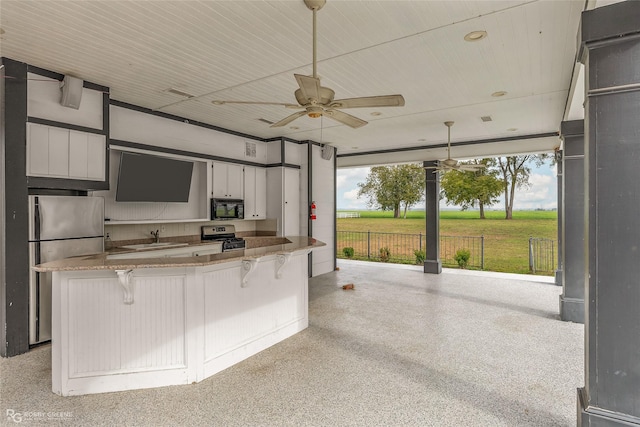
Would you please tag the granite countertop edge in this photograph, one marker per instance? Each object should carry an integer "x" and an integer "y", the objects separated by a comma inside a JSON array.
[{"x": 101, "y": 262}]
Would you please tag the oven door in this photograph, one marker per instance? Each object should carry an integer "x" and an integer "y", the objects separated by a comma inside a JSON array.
[{"x": 227, "y": 209}]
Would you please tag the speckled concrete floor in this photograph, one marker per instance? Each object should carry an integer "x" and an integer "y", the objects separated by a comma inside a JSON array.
[{"x": 403, "y": 348}]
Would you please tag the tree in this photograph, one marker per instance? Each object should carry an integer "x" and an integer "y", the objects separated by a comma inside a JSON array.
[
  {"x": 467, "y": 188},
  {"x": 515, "y": 174},
  {"x": 391, "y": 187}
]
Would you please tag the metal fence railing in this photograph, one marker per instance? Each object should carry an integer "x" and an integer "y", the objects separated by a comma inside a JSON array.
[
  {"x": 542, "y": 258},
  {"x": 401, "y": 248},
  {"x": 450, "y": 245}
]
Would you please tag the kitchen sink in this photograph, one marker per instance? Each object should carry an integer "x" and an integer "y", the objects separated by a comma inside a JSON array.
[{"x": 154, "y": 245}]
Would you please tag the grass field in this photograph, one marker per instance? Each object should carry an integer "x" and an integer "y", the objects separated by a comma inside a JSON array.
[{"x": 506, "y": 242}]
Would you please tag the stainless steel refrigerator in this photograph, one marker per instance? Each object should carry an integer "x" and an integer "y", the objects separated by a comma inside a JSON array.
[{"x": 59, "y": 227}]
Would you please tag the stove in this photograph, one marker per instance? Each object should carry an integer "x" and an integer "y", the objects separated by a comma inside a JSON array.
[{"x": 225, "y": 234}]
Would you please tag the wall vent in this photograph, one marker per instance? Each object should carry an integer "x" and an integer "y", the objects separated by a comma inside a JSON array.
[
  {"x": 250, "y": 149},
  {"x": 486, "y": 118}
]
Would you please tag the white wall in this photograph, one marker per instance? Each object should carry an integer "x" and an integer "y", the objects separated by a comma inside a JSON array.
[
  {"x": 323, "y": 193},
  {"x": 134, "y": 126},
  {"x": 43, "y": 101}
]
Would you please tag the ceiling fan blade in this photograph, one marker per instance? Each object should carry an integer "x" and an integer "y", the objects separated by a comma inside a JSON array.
[
  {"x": 309, "y": 86},
  {"x": 345, "y": 118},
  {"x": 471, "y": 167},
  {"x": 288, "y": 119},
  {"x": 369, "y": 101},
  {"x": 284, "y": 104}
]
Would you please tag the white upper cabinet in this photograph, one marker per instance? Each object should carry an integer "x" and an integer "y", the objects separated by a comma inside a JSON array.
[
  {"x": 255, "y": 193},
  {"x": 227, "y": 181},
  {"x": 62, "y": 153}
]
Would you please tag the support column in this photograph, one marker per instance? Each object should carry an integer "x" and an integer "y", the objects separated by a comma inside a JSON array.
[
  {"x": 610, "y": 50},
  {"x": 432, "y": 263},
  {"x": 14, "y": 219},
  {"x": 560, "y": 209},
  {"x": 572, "y": 298}
]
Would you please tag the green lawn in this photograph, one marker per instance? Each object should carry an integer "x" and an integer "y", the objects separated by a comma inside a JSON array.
[{"x": 506, "y": 242}]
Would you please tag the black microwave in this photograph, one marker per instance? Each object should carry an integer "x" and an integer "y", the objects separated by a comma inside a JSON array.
[{"x": 227, "y": 209}]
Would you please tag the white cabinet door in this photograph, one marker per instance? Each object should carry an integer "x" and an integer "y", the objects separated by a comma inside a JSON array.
[
  {"x": 227, "y": 181},
  {"x": 37, "y": 150},
  {"x": 96, "y": 157},
  {"x": 260, "y": 193},
  {"x": 235, "y": 186},
  {"x": 291, "y": 223},
  {"x": 249, "y": 192},
  {"x": 58, "y": 152},
  {"x": 78, "y": 155},
  {"x": 219, "y": 183},
  {"x": 283, "y": 202},
  {"x": 255, "y": 193}
]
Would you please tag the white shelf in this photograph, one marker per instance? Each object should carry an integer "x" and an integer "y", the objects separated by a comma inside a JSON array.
[{"x": 154, "y": 221}]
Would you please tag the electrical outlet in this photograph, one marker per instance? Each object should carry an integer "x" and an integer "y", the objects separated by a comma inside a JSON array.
[{"x": 163, "y": 228}]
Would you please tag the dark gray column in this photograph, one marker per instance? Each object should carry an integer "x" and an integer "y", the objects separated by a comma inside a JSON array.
[
  {"x": 560, "y": 186},
  {"x": 610, "y": 50},
  {"x": 14, "y": 220},
  {"x": 432, "y": 262},
  {"x": 572, "y": 298}
]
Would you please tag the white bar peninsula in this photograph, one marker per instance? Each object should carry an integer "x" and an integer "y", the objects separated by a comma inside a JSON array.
[{"x": 123, "y": 324}]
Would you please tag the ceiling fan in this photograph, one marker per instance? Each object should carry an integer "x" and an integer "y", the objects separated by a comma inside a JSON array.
[
  {"x": 316, "y": 100},
  {"x": 453, "y": 164}
]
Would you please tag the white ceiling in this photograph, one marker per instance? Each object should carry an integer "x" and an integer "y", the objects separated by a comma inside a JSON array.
[{"x": 249, "y": 50}]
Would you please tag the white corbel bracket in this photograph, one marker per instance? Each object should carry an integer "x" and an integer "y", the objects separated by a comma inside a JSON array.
[
  {"x": 282, "y": 260},
  {"x": 125, "y": 277},
  {"x": 248, "y": 265}
]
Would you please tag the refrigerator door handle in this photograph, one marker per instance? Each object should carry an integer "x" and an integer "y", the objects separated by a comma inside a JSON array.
[{"x": 36, "y": 223}]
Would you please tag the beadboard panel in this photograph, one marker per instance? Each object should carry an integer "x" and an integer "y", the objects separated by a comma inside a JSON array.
[
  {"x": 184, "y": 325},
  {"x": 116, "y": 337},
  {"x": 236, "y": 315}
]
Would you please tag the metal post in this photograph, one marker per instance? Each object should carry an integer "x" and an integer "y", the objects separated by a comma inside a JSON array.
[
  {"x": 531, "y": 266},
  {"x": 369, "y": 244},
  {"x": 420, "y": 247},
  {"x": 482, "y": 252}
]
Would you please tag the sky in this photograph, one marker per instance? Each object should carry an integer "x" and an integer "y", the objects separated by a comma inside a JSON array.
[{"x": 542, "y": 194}]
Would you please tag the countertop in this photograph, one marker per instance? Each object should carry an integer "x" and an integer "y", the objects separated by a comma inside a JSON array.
[{"x": 257, "y": 247}]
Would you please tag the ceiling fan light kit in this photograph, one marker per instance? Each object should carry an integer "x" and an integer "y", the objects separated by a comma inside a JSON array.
[{"x": 316, "y": 100}]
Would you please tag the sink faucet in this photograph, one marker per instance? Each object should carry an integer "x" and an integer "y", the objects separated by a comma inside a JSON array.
[{"x": 156, "y": 234}]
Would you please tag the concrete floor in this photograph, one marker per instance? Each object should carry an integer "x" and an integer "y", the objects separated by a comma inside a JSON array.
[{"x": 404, "y": 348}]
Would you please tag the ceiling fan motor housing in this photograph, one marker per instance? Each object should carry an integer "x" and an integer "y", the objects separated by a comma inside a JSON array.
[{"x": 326, "y": 96}]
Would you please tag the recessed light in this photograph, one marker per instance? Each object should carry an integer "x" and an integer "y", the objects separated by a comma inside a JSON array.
[
  {"x": 474, "y": 36},
  {"x": 294, "y": 128},
  {"x": 422, "y": 140},
  {"x": 499, "y": 94},
  {"x": 512, "y": 129},
  {"x": 217, "y": 102},
  {"x": 376, "y": 113},
  {"x": 354, "y": 148}
]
